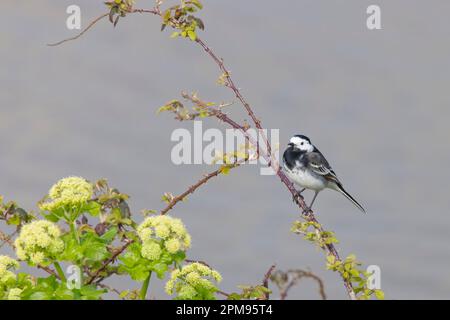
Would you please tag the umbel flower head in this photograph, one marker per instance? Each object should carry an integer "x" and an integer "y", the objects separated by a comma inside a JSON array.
[
  {"x": 39, "y": 242},
  {"x": 7, "y": 276},
  {"x": 14, "y": 294},
  {"x": 68, "y": 192},
  {"x": 193, "y": 281},
  {"x": 159, "y": 233}
]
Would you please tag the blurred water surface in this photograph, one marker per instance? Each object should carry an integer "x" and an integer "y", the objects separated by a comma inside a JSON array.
[{"x": 375, "y": 103}]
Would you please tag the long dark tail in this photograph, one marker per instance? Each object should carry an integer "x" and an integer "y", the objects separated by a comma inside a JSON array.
[{"x": 341, "y": 189}]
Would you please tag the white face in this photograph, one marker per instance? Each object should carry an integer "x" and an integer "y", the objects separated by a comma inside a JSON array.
[{"x": 301, "y": 144}]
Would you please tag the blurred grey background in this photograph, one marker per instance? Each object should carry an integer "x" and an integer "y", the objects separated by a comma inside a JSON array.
[{"x": 375, "y": 103}]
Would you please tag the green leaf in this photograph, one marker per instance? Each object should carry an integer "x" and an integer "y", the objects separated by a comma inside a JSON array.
[
  {"x": 93, "y": 208},
  {"x": 72, "y": 251},
  {"x": 225, "y": 170},
  {"x": 63, "y": 293},
  {"x": 14, "y": 220},
  {"x": 166, "y": 16},
  {"x": 90, "y": 292},
  {"x": 109, "y": 235},
  {"x": 234, "y": 296},
  {"x": 192, "y": 35},
  {"x": 96, "y": 252},
  {"x": 179, "y": 257},
  {"x": 331, "y": 259},
  {"x": 197, "y": 4},
  {"x": 379, "y": 294},
  {"x": 354, "y": 272},
  {"x": 160, "y": 269},
  {"x": 51, "y": 217},
  {"x": 41, "y": 295},
  {"x": 132, "y": 256},
  {"x": 139, "y": 272}
]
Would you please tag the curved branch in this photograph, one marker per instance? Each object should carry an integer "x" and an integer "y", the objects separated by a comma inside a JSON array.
[
  {"x": 81, "y": 33},
  {"x": 95, "y": 21},
  {"x": 291, "y": 278}
]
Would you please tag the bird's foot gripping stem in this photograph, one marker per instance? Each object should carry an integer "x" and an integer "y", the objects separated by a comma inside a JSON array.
[{"x": 307, "y": 211}]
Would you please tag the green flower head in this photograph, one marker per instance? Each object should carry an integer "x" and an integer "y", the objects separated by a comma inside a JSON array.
[
  {"x": 193, "y": 281},
  {"x": 39, "y": 242},
  {"x": 151, "y": 250},
  {"x": 7, "y": 266},
  {"x": 162, "y": 232},
  {"x": 68, "y": 192}
]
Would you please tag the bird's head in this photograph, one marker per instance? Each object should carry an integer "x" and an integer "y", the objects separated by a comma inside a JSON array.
[{"x": 301, "y": 142}]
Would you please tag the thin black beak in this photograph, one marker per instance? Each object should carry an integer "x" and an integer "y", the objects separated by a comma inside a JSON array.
[{"x": 290, "y": 144}]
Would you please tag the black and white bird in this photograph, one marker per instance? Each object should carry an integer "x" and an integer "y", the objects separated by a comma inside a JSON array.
[{"x": 306, "y": 166}]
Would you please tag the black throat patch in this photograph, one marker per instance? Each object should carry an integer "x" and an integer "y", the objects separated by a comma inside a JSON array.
[{"x": 291, "y": 156}]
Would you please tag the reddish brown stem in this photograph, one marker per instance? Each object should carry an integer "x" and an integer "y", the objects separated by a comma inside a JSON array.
[
  {"x": 266, "y": 280},
  {"x": 192, "y": 189},
  {"x": 109, "y": 261}
]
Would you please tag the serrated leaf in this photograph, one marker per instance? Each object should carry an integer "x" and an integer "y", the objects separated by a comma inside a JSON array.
[
  {"x": 160, "y": 269},
  {"x": 109, "y": 235},
  {"x": 93, "y": 208},
  {"x": 96, "y": 251},
  {"x": 90, "y": 292}
]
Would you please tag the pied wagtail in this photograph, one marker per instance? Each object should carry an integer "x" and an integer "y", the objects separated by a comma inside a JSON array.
[{"x": 306, "y": 166}]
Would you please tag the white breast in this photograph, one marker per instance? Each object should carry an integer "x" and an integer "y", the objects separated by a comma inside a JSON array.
[{"x": 306, "y": 179}]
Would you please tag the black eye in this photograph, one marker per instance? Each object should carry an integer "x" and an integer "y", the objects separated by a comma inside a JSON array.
[{"x": 302, "y": 143}]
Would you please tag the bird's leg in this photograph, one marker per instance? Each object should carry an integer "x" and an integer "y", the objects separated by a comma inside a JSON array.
[
  {"x": 309, "y": 209},
  {"x": 296, "y": 198}
]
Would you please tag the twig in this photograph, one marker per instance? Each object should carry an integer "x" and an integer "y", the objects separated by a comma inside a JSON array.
[
  {"x": 319, "y": 281},
  {"x": 6, "y": 239},
  {"x": 101, "y": 285},
  {"x": 286, "y": 280},
  {"x": 49, "y": 271},
  {"x": 96, "y": 20},
  {"x": 192, "y": 189},
  {"x": 110, "y": 260},
  {"x": 81, "y": 33},
  {"x": 237, "y": 92},
  {"x": 198, "y": 261},
  {"x": 223, "y": 293},
  {"x": 266, "y": 280}
]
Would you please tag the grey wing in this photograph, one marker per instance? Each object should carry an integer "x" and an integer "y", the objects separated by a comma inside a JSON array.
[{"x": 318, "y": 164}]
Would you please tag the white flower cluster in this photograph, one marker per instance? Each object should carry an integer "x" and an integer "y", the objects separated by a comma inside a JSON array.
[
  {"x": 191, "y": 279},
  {"x": 68, "y": 192},
  {"x": 162, "y": 232},
  {"x": 39, "y": 242}
]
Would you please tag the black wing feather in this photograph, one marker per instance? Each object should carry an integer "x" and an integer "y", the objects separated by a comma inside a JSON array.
[{"x": 320, "y": 165}]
